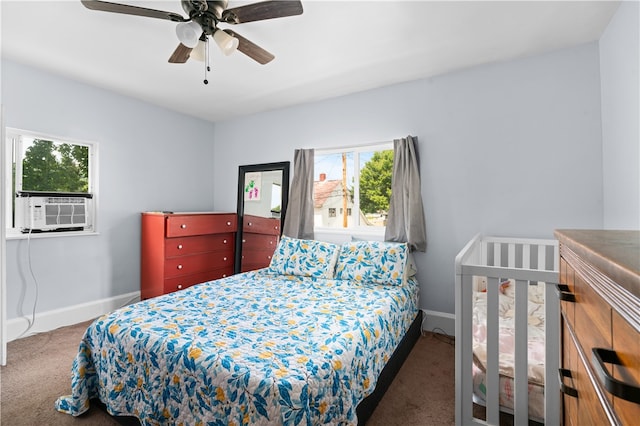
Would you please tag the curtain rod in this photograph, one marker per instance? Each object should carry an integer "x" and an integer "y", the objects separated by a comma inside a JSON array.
[{"x": 363, "y": 145}]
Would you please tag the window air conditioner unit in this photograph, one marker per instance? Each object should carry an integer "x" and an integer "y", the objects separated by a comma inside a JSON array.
[{"x": 53, "y": 211}]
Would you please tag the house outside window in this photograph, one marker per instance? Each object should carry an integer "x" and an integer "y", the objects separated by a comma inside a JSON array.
[
  {"x": 50, "y": 184},
  {"x": 353, "y": 180}
]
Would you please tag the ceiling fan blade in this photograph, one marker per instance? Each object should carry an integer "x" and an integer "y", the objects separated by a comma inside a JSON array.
[
  {"x": 264, "y": 10},
  {"x": 106, "y": 6},
  {"x": 180, "y": 55},
  {"x": 251, "y": 49}
]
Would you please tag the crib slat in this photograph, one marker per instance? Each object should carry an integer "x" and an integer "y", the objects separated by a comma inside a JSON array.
[
  {"x": 542, "y": 257},
  {"x": 511, "y": 257},
  {"x": 521, "y": 361},
  {"x": 497, "y": 254},
  {"x": 551, "y": 355},
  {"x": 526, "y": 256},
  {"x": 493, "y": 357}
]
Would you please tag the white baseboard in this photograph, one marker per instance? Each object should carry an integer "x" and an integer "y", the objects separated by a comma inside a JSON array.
[
  {"x": 438, "y": 322},
  {"x": 50, "y": 320}
]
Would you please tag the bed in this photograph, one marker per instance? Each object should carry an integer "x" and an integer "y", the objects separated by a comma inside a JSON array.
[
  {"x": 304, "y": 341},
  {"x": 505, "y": 294}
]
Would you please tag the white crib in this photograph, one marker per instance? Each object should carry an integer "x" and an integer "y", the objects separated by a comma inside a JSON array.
[{"x": 522, "y": 261}]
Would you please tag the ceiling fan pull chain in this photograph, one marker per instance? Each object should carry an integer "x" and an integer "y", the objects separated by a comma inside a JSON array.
[{"x": 206, "y": 60}]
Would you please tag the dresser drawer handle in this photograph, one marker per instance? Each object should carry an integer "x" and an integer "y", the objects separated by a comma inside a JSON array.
[
  {"x": 179, "y": 266},
  {"x": 224, "y": 258},
  {"x": 179, "y": 286},
  {"x": 224, "y": 241},
  {"x": 614, "y": 386},
  {"x": 564, "y": 294},
  {"x": 228, "y": 223},
  {"x": 249, "y": 224},
  {"x": 183, "y": 226},
  {"x": 562, "y": 373},
  {"x": 179, "y": 246}
]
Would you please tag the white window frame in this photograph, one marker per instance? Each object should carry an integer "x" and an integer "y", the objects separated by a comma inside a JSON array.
[
  {"x": 13, "y": 153},
  {"x": 361, "y": 231}
]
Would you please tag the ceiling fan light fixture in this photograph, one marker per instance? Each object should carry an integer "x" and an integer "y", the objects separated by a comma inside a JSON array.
[
  {"x": 198, "y": 52},
  {"x": 188, "y": 33},
  {"x": 226, "y": 42}
]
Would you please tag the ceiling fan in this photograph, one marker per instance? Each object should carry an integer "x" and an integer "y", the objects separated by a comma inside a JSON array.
[{"x": 203, "y": 20}]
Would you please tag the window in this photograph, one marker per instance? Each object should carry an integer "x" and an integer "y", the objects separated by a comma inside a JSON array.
[
  {"x": 353, "y": 180},
  {"x": 50, "y": 179}
]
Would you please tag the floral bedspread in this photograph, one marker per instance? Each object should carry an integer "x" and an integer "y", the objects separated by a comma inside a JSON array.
[{"x": 252, "y": 348}]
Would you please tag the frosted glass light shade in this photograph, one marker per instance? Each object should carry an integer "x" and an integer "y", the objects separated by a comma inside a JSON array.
[
  {"x": 188, "y": 33},
  {"x": 227, "y": 43},
  {"x": 198, "y": 53}
]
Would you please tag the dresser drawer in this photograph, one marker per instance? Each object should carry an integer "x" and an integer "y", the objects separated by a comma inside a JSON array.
[
  {"x": 182, "y": 246},
  {"x": 590, "y": 410},
  {"x": 261, "y": 225},
  {"x": 180, "y": 283},
  {"x": 592, "y": 318},
  {"x": 255, "y": 259},
  {"x": 567, "y": 304},
  {"x": 259, "y": 242},
  {"x": 186, "y": 265},
  {"x": 200, "y": 224},
  {"x": 626, "y": 345},
  {"x": 569, "y": 379}
]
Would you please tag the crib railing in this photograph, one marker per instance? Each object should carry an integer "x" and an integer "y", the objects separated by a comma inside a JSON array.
[{"x": 522, "y": 260}]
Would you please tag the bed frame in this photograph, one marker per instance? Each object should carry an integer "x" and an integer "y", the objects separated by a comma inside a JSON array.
[
  {"x": 368, "y": 405},
  {"x": 522, "y": 260}
]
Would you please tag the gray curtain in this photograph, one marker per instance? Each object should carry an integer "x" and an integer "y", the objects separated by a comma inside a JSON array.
[
  {"x": 405, "y": 222},
  {"x": 298, "y": 222}
]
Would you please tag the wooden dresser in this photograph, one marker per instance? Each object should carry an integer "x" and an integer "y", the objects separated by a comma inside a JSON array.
[
  {"x": 600, "y": 304},
  {"x": 260, "y": 237},
  {"x": 183, "y": 249}
]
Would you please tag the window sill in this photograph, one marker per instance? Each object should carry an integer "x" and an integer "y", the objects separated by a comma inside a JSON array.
[
  {"x": 13, "y": 234},
  {"x": 341, "y": 235}
]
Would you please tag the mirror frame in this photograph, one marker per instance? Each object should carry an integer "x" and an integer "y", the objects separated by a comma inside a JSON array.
[{"x": 283, "y": 166}]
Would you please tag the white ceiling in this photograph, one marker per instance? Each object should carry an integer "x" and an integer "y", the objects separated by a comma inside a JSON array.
[{"x": 332, "y": 49}]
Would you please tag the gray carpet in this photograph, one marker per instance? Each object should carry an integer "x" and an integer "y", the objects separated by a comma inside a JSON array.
[{"x": 38, "y": 371}]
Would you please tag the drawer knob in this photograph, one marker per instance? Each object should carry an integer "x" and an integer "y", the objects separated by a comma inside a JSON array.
[
  {"x": 183, "y": 226},
  {"x": 179, "y": 266},
  {"x": 250, "y": 224},
  {"x": 268, "y": 257},
  {"x": 179, "y": 246},
  {"x": 224, "y": 258},
  {"x": 276, "y": 227},
  {"x": 224, "y": 241},
  {"x": 228, "y": 223},
  {"x": 611, "y": 384},
  {"x": 179, "y": 286},
  {"x": 224, "y": 275},
  {"x": 244, "y": 241},
  {"x": 562, "y": 373}
]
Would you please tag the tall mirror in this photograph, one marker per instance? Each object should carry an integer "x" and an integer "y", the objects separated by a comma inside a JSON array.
[{"x": 263, "y": 192}]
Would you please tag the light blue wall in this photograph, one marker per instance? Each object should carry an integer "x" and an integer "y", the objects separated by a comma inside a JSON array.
[
  {"x": 149, "y": 159},
  {"x": 619, "y": 63},
  {"x": 510, "y": 149}
]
